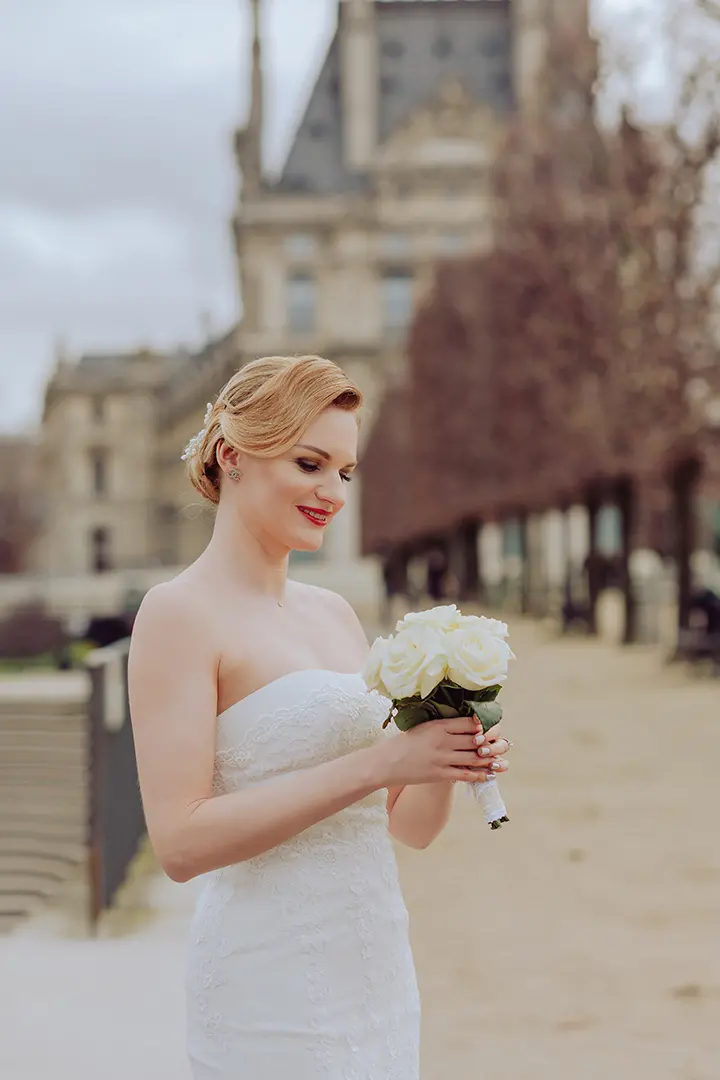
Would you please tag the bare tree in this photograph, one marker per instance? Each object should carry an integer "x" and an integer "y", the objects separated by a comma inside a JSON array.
[{"x": 611, "y": 232}]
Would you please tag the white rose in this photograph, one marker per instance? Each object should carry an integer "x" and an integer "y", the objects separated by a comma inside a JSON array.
[
  {"x": 373, "y": 666},
  {"x": 443, "y": 618},
  {"x": 493, "y": 626},
  {"x": 477, "y": 658},
  {"x": 414, "y": 662}
]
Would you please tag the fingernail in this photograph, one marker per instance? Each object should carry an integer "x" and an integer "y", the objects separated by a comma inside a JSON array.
[
  {"x": 498, "y": 765},
  {"x": 486, "y": 751},
  {"x": 479, "y": 738}
]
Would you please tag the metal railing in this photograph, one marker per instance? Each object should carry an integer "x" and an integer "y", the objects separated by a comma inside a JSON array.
[{"x": 116, "y": 822}]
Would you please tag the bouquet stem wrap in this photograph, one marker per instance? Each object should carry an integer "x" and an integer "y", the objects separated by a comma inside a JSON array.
[{"x": 449, "y": 700}]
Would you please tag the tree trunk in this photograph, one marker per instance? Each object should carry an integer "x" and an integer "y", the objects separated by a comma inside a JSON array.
[
  {"x": 684, "y": 486},
  {"x": 526, "y": 570},
  {"x": 592, "y": 504},
  {"x": 626, "y": 501},
  {"x": 468, "y": 563}
]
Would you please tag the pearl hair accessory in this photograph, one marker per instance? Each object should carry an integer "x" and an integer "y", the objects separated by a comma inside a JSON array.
[{"x": 194, "y": 445}]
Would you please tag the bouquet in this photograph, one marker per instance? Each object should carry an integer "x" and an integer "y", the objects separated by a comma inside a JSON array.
[{"x": 441, "y": 663}]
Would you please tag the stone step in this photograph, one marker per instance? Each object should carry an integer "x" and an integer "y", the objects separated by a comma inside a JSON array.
[
  {"x": 25, "y": 892},
  {"x": 42, "y": 774},
  {"x": 58, "y": 846},
  {"x": 30, "y": 806},
  {"x": 71, "y": 741},
  {"x": 10, "y": 919},
  {"x": 20, "y": 757},
  {"x": 44, "y": 758},
  {"x": 41, "y": 867},
  {"x": 43, "y": 787},
  {"x": 11, "y": 723}
]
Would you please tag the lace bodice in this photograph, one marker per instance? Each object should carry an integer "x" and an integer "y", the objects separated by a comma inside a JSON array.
[
  {"x": 301, "y": 719},
  {"x": 306, "y": 943}
]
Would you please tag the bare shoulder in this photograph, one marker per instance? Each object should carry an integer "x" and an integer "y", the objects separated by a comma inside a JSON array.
[{"x": 173, "y": 612}]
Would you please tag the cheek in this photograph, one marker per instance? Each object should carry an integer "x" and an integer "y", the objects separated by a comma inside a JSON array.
[{"x": 291, "y": 485}]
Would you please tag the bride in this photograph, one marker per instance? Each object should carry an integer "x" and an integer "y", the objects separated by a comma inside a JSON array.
[{"x": 262, "y": 761}]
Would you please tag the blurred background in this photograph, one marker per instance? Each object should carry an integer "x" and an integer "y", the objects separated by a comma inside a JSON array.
[{"x": 502, "y": 218}]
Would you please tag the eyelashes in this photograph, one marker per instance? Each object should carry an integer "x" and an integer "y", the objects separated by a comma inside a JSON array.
[{"x": 312, "y": 466}]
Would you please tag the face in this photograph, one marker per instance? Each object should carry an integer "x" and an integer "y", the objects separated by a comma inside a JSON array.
[{"x": 288, "y": 502}]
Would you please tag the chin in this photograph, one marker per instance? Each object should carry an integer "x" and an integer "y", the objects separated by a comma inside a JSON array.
[{"x": 307, "y": 543}]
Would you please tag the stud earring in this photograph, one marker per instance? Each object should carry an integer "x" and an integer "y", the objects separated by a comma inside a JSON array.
[{"x": 234, "y": 474}]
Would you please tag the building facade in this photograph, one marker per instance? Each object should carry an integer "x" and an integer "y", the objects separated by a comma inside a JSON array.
[
  {"x": 387, "y": 174},
  {"x": 99, "y": 465}
]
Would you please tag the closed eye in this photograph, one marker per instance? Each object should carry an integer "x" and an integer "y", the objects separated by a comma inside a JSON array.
[{"x": 314, "y": 466}]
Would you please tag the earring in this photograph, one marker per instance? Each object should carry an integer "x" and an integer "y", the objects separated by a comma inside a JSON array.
[{"x": 234, "y": 474}]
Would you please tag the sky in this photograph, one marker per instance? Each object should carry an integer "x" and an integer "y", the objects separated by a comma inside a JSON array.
[{"x": 117, "y": 180}]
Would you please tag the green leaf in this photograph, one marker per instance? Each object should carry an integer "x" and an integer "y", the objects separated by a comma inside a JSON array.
[
  {"x": 489, "y": 713},
  {"x": 446, "y": 711},
  {"x": 409, "y": 716},
  {"x": 489, "y": 693}
]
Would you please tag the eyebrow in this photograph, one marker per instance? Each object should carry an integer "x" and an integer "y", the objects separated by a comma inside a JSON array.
[{"x": 323, "y": 453}]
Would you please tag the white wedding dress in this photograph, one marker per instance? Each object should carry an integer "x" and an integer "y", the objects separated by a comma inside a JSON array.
[{"x": 300, "y": 964}]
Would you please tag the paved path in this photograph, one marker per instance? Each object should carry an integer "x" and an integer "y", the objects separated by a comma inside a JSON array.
[{"x": 579, "y": 943}]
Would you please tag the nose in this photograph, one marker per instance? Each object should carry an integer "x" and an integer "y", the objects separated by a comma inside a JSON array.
[{"x": 331, "y": 493}]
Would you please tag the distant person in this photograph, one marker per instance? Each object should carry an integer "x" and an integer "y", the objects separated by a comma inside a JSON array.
[
  {"x": 707, "y": 603},
  {"x": 436, "y": 575},
  {"x": 262, "y": 762}
]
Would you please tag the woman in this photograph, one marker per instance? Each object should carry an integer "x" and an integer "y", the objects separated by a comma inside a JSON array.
[{"x": 262, "y": 760}]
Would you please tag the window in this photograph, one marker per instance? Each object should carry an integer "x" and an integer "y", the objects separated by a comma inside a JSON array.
[
  {"x": 300, "y": 246},
  {"x": 98, "y": 467},
  {"x": 495, "y": 44},
  {"x": 394, "y": 243},
  {"x": 98, "y": 409},
  {"x": 393, "y": 49},
  {"x": 442, "y": 47},
  {"x": 100, "y": 550},
  {"x": 389, "y": 84},
  {"x": 451, "y": 243},
  {"x": 296, "y": 182},
  {"x": 397, "y": 295},
  {"x": 301, "y": 303}
]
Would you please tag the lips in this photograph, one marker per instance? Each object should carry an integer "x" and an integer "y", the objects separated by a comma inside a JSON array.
[{"x": 315, "y": 516}]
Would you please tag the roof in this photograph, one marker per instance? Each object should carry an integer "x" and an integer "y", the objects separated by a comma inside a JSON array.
[{"x": 421, "y": 44}]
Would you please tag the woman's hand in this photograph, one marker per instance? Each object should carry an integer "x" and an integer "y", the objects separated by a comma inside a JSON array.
[
  {"x": 439, "y": 750},
  {"x": 491, "y": 749}
]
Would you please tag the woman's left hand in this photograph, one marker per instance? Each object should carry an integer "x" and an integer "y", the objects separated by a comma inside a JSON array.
[{"x": 492, "y": 748}]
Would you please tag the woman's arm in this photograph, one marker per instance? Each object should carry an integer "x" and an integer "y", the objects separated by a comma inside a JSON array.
[
  {"x": 173, "y": 687},
  {"x": 418, "y": 814}
]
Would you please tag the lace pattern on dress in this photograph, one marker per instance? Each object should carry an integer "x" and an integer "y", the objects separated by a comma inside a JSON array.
[{"x": 332, "y": 892}]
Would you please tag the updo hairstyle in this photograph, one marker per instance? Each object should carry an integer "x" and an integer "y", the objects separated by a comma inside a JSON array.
[{"x": 263, "y": 410}]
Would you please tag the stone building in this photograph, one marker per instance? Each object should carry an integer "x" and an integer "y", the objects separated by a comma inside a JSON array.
[
  {"x": 99, "y": 468},
  {"x": 387, "y": 173}
]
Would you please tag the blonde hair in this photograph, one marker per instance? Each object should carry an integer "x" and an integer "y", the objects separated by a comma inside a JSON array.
[{"x": 263, "y": 410}]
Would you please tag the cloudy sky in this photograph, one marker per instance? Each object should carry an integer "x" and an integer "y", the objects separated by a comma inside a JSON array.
[{"x": 116, "y": 176}]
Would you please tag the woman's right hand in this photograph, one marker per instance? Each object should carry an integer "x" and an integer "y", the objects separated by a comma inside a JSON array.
[{"x": 434, "y": 751}]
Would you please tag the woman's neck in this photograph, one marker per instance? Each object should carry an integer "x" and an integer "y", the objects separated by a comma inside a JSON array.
[{"x": 244, "y": 558}]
